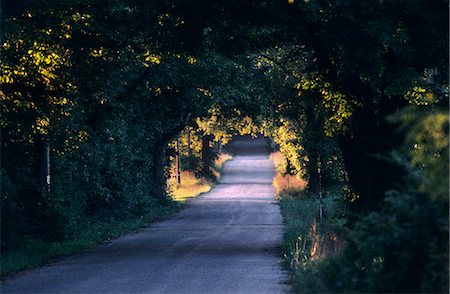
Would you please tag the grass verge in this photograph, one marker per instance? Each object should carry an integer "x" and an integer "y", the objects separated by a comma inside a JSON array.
[
  {"x": 192, "y": 186},
  {"x": 307, "y": 242},
  {"x": 35, "y": 252}
]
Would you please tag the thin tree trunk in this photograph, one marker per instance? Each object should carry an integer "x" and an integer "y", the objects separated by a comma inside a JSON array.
[
  {"x": 313, "y": 132},
  {"x": 178, "y": 163},
  {"x": 206, "y": 156},
  {"x": 219, "y": 145},
  {"x": 189, "y": 150},
  {"x": 159, "y": 168},
  {"x": 313, "y": 172},
  {"x": 42, "y": 164},
  {"x": 312, "y": 149},
  {"x": 159, "y": 171},
  {"x": 4, "y": 146}
]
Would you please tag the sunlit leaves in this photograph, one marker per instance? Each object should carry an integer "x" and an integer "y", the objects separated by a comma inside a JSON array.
[
  {"x": 340, "y": 111},
  {"x": 37, "y": 90},
  {"x": 420, "y": 96},
  {"x": 151, "y": 58},
  {"x": 205, "y": 92},
  {"x": 426, "y": 146},
  {"x": 10, "y": 73},
  {"x": 224, "y": 126},
  {"x": 97, "y": 52},
  {"x": 77, "y": 16},
  {"x": 46, "y": 59},
  {"x": 287, "y": 135},
  {"x": 42, "y": 125},
  {"x": 339, "y": 108},
  {"x": 191, "y": 60}
]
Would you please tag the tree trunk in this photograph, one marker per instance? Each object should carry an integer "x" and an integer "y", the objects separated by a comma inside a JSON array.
[
  {"x": 219, "y": 146},
  {"x": 42, "y": 164},
  {"x": 4, "y": 146},
  {"x": 313, "y": 134},
  {"x": 159, "y": 171},
  {"x": 369, "y": 176},
  {"x": 189, "y": 150},
  {"x": 178, "y": 163},
  {"x": 206, "y": 156},
  {"x": 159, "y": 168},
  {"x": 313, "y": 173}
]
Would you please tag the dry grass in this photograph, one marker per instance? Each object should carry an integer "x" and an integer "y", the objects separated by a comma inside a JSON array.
[
  {"x": 278, "y": 160},
  {"x": 288, "y": 183},
  {"x": 190, "y": 187},
  {"x": 219, "y": 162},
  {"x": 285, "y": 184},
  {"x": 325, "y": 242},
  {"x": 307, "y": 242}
]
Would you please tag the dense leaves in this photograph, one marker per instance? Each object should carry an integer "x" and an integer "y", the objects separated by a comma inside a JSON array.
[{"x": 353, "y": 93}]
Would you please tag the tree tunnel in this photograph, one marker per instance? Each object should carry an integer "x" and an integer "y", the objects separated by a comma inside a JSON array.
[{"x": 99, "y": 93}]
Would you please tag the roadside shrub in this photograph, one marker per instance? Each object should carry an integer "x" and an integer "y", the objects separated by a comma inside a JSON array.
[
  {"x": 402, "y": 248},
  {"x": 191, "y": 163},
  {"x": 308, "y": 242}
]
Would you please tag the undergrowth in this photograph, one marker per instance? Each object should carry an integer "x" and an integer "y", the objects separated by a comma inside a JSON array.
[
  {"x": 307, "y": 241},
  {"x": 401, "y": 248},
  {"x": 35, "y": 252},
  {"x": 31, "y": 252}
]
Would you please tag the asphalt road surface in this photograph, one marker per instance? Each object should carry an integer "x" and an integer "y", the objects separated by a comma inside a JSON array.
[{"x": 225, "y": 241}]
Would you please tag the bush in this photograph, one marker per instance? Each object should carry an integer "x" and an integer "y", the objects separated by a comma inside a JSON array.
[
  {"x": 191, "y": 163},
  {"x": 106, "y": 179},
  {"x": 402, "y": 248}
]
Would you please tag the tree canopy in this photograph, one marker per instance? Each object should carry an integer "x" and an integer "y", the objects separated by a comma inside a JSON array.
[{"x": 93, "y": 93}]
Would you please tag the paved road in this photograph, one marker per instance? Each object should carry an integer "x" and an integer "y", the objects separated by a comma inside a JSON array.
[{"x": 226, "y": 241}]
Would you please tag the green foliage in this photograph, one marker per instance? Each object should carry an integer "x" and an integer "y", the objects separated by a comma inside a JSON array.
[
  {"x": 33, "y": 252},
  {"x": 426, "y": 147},
  {"x": 191, "y": 163},
  {"x": 340, "y": 86},
  {"x": 104, "y": 100},
  {"x": 403, "y": 248},
  {"x": 307, "y": 243},
  {"x": 288, "y": 137}
]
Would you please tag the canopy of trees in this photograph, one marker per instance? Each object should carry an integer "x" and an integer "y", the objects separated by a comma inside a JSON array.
[{"x": 353, "y": 92}]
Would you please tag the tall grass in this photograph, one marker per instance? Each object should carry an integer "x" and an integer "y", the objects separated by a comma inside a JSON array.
[
  {"x": 192, "y": 186},
  {"x": 219, "y": 163},
  {"x": 288, "y": 184},
  {"x": 307, "y": 243},
  {"x": 285, "y": 183},
  {"x": 35, "y": 252}
]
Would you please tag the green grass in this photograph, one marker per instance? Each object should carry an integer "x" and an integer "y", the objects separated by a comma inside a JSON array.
[
  {"x": 35, "y": 252},
  {"x": 307, "y": 243}
]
